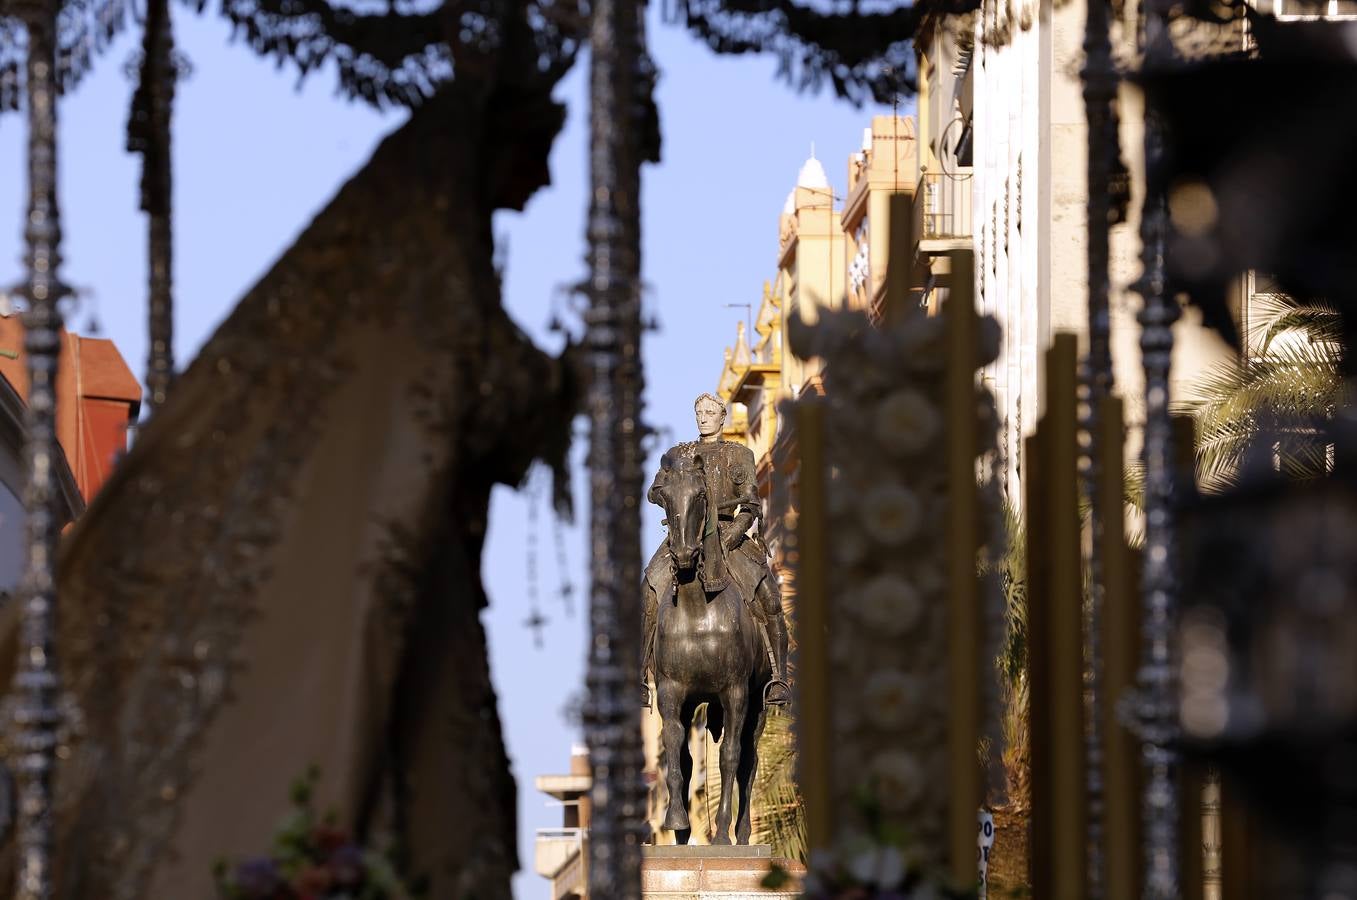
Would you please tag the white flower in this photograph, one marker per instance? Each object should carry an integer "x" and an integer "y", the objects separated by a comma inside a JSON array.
[
  {"x": 880, "y": 867},
  {"x": 892, "y": 698},
  {"x": 891, "y": 514},
  {"x": 898, "y": 778},
  {"x": 906, "y": 422},
  {"x": 890, "y": 604}
]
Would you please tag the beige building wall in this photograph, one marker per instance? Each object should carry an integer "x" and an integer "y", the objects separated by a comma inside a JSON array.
[
  {"x": 1030, "y": 197},
  {"x": 886, "y": 167}
]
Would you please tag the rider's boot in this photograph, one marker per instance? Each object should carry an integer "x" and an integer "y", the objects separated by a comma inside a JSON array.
[{"x": 778, "y": 692}]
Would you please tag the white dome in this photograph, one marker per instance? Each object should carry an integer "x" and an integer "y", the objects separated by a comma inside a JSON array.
[
  {"x": 812, "y": 175},
  {"x": 789, "y": 207}
]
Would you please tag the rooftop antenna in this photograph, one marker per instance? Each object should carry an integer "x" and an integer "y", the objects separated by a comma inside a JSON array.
[{"x": 749, "y": 317}]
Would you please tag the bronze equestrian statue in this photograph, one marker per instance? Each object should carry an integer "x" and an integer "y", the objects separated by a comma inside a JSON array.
[{"x": 719, "y": 636}]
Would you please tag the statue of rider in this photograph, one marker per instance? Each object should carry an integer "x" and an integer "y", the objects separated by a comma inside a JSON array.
[{"x": 730, "y": 468}]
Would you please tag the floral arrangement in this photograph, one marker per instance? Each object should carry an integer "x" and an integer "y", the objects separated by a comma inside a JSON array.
[
  {"x": 312, "y": 860},
  {"x": 887, "y": 499},
  {"x": 879, "y": 863}
]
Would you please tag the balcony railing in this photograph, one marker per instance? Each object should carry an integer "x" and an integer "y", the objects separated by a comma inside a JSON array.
[
  {"x": 945, "y": 203},
  {"x": 555, "y": 847}
]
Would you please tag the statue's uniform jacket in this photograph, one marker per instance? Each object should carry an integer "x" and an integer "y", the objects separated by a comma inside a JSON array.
[{"x": 730, "y": 467}]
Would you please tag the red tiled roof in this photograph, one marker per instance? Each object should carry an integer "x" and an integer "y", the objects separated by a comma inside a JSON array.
[{"x": 97, "y": 397}]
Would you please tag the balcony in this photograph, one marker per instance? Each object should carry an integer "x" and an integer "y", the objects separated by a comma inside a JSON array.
[
  {"x": 944, "y": 205},
  {"x": 555, "y": 848},
  {"x": 1307, "y": 10}
]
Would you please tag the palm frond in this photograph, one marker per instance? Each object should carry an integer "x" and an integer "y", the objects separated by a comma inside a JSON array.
[
  {"x": 1274, "y": 314},
  {"x": 1287, "y": 393},
  {"x": 1017, "y": 752},
  {"x": 1133, "y": 497},
  {"x": 1012, "y": 571},
  {"x": 1011, "y": 664},
  {"x": 778, "y": 815}
]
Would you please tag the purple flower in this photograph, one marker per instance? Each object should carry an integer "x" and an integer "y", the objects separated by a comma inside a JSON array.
[{"x": 258, "y": 877}]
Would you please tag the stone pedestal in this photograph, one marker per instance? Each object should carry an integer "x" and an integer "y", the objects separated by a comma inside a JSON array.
[{"x": 694, "y": 872}]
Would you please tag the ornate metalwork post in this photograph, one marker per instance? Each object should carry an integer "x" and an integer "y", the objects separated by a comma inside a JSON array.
[
  {"x": 1100, "y": 90},
  {"x": 1157, "y": 704},
  {"x": 149, "y": 134},
  {"x": 36, "y": 683},
  {"x": 613, "y": 342}
]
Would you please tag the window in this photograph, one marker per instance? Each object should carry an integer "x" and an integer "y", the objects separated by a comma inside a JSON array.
[{"x": 12, "y": 518}]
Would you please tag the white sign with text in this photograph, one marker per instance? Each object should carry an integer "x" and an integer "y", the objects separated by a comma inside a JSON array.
[{"x": 984, "y": 842}]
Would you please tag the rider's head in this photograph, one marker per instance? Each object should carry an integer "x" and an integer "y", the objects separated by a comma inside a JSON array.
[{"x": 711, "y": 415}]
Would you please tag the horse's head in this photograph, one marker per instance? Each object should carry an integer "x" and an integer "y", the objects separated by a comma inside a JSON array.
[{"x": 684, "y": 498}]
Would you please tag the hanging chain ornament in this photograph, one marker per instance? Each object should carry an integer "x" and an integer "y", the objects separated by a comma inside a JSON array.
[
  {"x": 148, "y": 133},
  {"x": 613, "y": 345},
  {"x": 1156, "y": 703},
  {"x": 535, "y": 621},
  {"x": 37, "y": 714},
  {"x": 1100, "y": 89},
  {"x": 567, "y": 589}
]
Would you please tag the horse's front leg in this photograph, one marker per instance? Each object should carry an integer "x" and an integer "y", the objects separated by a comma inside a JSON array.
[
  {"x": 672, "y": 735},
  {"x": 735, "y": 701}
]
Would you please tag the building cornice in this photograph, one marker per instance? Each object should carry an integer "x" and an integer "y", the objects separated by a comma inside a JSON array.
[
  {"x": 855, "y": 207},
  {"x": 756, "y": 376}
]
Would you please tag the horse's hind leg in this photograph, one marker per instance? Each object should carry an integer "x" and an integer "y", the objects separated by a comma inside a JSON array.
[
  {"x": 749, "y": 762},
  {"x": 735, "y": 702},
  {"x": 673, "y": 735}
]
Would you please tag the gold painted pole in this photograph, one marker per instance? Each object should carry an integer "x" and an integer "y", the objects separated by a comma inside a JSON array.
[
  {"x": 812, "y": 631},
  {"x": 900, "y": 277},
  {"x": 1038, "y": 661},
  {"x": 963, "y": 595},
  {"x": 1068, "y": 785},
  {"x": 1121, "y": 643},
  {"x": 1192, "y": 851},
  {"x": 1211, "y": 836},
  {"x": 1055, "y": 600}
]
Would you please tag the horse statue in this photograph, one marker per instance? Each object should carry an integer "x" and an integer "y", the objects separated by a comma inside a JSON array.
[{"x": 708, "y": 650}]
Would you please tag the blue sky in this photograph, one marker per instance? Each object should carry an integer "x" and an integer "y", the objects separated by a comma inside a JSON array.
[{"x": 255, "y": 160}]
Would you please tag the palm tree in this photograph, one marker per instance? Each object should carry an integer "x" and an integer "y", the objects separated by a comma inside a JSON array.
[
  {"x": 779, "y": 817},
  {"x": 1288, "y": 390},
  {"x": 1011, "y": 666}
]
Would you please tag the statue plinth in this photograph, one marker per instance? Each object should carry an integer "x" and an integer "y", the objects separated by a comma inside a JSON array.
[{"x": 706, "y": 872}]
